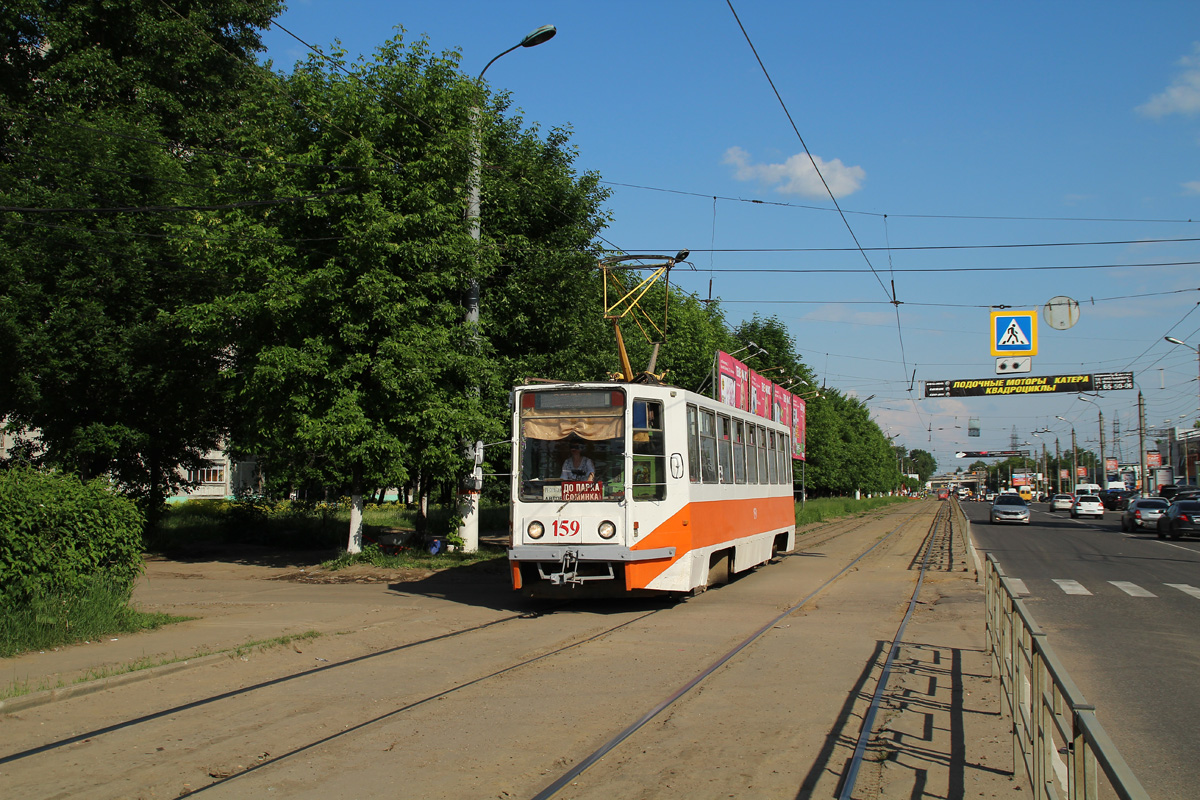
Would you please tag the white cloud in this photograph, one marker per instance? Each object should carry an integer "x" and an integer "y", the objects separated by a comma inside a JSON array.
[
  {"x": 1183, "y": 95},
  {"x": 1192, "y": 187},
  {"x": 796, "y": 175}
]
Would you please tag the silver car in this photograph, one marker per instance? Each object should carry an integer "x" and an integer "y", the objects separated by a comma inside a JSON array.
[
  {"x": 1009, "y": 508},
  {"x": 1143, "y": 513},
  {"x": 1061, "y": 502}
]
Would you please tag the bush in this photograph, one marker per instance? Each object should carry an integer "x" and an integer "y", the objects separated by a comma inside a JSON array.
[{"x": 60, "y": 538}]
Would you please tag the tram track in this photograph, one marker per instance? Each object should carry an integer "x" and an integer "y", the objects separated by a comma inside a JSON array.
[{"x": 353, "y": 727}]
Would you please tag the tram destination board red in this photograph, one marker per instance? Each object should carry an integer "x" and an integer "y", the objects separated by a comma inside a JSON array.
[{"x": 1030, "y": 384}]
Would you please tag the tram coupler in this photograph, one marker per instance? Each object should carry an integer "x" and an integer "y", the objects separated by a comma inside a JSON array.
[{"x": 569, "y": 569}]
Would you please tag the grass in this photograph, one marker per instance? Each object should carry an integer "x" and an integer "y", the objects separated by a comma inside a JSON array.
[
  {"x": 294, "y": 525},
  {"x": 22, "y": 688},
  {"x": 413, "y": 558},
  {"x": 53, "y": 621},
  {"x": 823, "y": 509}
]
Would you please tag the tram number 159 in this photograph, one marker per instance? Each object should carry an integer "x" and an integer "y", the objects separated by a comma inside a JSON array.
[{"x": 566, "y": 527}]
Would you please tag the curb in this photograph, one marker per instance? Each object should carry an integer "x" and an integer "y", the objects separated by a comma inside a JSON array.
[{"x": 36, "y": 699}]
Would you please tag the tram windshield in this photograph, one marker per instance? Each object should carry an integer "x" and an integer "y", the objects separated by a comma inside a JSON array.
[{"x": 572, "y": 445}]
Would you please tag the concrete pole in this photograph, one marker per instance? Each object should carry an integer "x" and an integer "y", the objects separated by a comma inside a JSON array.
[
  {"x": 1103, "y": 463},
  {"x": 1074, "y": 461},
  {"x": 1145, "y": 488}
]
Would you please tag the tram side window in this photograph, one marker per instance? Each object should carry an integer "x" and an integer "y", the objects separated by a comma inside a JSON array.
[
  {"x": 649, "y": 453},
  {"x": 739, "y": 451},
  {"x": 763, "y": 475},
  {"x": 693, "y": 424},
  {"x": 751, "y": 453},
  {"x": 785, "y": 459},
  {"x": 725, "y": 449},
  {"x": 708, "y": 446},
  {"x": 772, "y": 457}
]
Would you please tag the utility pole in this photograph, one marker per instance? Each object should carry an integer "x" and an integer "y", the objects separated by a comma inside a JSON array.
[
  {"x": 1058, "y": 464},
  {"x": 1103, "y": 463},
  {"x": 1074, "y": 462},
  {"x": 1145, "y": 487}
]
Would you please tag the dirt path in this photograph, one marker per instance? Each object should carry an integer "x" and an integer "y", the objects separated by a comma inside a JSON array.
[{"x": 446, "y": 686}]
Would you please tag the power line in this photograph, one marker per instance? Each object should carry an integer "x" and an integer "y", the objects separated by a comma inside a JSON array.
[
  {"x": 806, "y": 207},
  {"x": 950, "y": 246}
]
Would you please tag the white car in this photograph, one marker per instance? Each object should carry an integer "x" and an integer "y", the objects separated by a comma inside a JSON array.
[
  {"x": 1087, "y": 505},
  {"x": 1061, "y": 502}
]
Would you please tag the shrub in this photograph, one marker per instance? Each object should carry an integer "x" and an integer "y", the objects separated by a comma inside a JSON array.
[{"x": 61, "y": 537}]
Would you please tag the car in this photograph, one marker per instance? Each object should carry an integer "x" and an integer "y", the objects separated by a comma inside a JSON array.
[
  {"x": 1180, "y": 517},
  {"x": 1061, "y": 502},
  {"x": 1143, "y": 512},
  {"x": 1115, "y": 499},
  {"x": 1170, "y": 490},
  {"x": 1009, "y": 508},
  {"x": 1087, "y": 505}
]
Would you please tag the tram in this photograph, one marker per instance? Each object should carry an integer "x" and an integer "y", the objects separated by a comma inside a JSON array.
[{"x": 623, "y": 488}]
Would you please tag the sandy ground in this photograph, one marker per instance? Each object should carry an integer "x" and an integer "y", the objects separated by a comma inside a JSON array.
[{"x": 449, "y": 685}]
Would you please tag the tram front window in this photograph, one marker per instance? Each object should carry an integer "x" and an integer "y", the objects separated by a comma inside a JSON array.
[{"x": 572, "y": 445}]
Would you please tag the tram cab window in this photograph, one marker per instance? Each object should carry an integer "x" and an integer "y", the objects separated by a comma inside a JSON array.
[
  {"x": 693, "y": 425},
  {"x": 725, "y": 448},
  {"x": 572, "y": 446},
  {"x": 708, "y": 446},
  {"x": 751, "y": 453},
  {"x": 739, "y": 451},
  {"x": 649, "y": 451}
]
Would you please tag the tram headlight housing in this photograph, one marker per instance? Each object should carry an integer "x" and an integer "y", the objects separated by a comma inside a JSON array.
[
  {"x": 536, "y": 530},
  {"x": 607, "y": 530}
]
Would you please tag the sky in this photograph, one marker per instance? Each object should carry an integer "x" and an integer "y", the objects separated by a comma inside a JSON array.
[{"x": 981, "y": 155}]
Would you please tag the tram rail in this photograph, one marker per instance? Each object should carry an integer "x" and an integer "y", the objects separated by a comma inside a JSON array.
[{"x": 39, "y": 754}]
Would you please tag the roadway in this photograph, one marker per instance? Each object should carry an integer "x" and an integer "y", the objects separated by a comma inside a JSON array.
[{"x": 1122, "y": 610}]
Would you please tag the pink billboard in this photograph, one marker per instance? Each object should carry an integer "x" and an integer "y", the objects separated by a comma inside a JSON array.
[
  {"x": 733, "y": 382},
  {"x": 781, "y": 405},
  {"x": 760, "y": 395},
  {"x": 798, "y": 427}
]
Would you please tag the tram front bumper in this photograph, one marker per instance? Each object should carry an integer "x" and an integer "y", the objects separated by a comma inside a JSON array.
[{"x": 560, "y": 565}]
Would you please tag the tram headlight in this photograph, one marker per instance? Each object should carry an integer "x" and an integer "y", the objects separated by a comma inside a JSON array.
[
  {"x": 607, "y": 530},
  {"x": 536, "y": 530}
]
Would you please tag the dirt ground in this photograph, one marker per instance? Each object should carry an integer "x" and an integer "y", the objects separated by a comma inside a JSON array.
[{"x": 416, "y": 684}]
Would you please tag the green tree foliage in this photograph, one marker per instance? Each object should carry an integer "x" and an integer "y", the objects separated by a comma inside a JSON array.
[
  {"x": 923, "y": 463},
  {"x": 111, "y": 113},
  {"x": 846, "y": 450}
]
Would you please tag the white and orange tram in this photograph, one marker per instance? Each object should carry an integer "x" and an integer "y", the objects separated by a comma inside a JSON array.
[{"x": 625, "y": 488}]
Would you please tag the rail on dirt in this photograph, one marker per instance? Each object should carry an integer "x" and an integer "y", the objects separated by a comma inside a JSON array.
[{"x": 1056, "y": 735}]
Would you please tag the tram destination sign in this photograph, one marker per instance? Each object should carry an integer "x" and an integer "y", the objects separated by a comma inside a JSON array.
[
  {"x": 992, "y": 454},
  {"x": 1030, "y": 384}
]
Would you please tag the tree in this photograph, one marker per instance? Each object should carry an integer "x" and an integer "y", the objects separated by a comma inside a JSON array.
[
  {"x": 352, "y": 366},
  {"x": 924, "y": 464},
  {"x": 114, "y": 115}
]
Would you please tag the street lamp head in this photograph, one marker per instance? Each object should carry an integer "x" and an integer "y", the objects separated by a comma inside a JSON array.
[{"x": 539, "y": 36}]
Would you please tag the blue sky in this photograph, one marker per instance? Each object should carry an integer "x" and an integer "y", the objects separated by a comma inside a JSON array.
[{"x": 954, "y": 135}]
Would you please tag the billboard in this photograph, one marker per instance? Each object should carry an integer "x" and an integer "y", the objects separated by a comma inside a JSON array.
[
  {"x": 733, "y": 382},
  {"x": 799, "y": 423},
  {"x": 781, "y": 405},
  {"x": 760, "y": 395},
  {"x": 1030, "y": 384}
]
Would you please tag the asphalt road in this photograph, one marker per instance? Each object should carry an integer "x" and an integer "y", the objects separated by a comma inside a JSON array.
[{"x": 1122, "y": 610}]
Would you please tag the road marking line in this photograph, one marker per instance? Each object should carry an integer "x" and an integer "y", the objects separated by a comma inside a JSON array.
[
  {"x": 1018, "y": 585},
  {"x": 1132, "y": 589},
  {"x": 1072, "y": 587},
  {"x": 1183, "y": 587}
]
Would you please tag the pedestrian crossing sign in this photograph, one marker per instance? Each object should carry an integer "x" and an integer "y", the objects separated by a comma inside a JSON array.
[{"x": 1014, "y": 333}]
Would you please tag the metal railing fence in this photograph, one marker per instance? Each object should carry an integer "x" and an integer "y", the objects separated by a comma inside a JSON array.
[{"x": 1056, "y": 735}]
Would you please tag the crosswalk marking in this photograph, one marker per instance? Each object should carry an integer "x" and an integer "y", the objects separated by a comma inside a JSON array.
[
  {"x": 1132, "y": 589},
  {"x": 1072, "y": 587},
  {"x": 1183, "y": 587}
]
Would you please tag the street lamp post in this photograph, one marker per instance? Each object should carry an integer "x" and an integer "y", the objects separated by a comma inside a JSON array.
[
  {"x": 1173, "y": 340},
  {"x": 468, "y": 499}
]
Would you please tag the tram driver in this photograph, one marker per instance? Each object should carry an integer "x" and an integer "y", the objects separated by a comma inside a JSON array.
[{"x": 578, "y": 467}]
